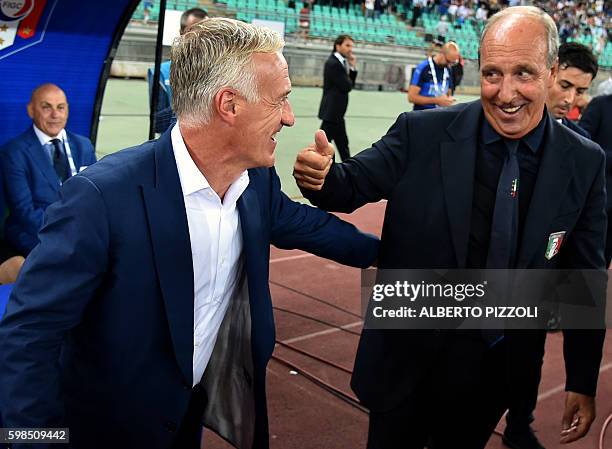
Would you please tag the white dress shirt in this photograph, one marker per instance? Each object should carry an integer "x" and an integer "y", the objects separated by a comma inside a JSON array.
[
  {"x": 216, "y": 248},
  {"x": 344, "y": 62},
  {"x": 45, "y": 141}
]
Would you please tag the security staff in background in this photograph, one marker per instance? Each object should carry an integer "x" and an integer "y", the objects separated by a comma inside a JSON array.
[
  {"x": 432, "y": 83},
  {"x": 459, "y": 183},
  {"x": 164, "y": 116},
  {"x": 339, "y": 77},
  {"x": 596, "y": 121},
  {"x": 577, "y": 69}
]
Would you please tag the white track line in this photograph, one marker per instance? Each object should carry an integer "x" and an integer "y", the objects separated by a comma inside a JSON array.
[
  {"x": 561, "y": 388},
  {"x": 298, "y": 256},
  {"x": 325, "y": 332}
]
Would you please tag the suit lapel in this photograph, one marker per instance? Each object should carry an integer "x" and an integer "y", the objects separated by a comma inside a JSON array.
[
  {"x": 169, "y": 230},
  {"x": 554, "y": 175},
  {"x": 41, "y": 159},
  {"x": 458, "y": 159},
  {"x": 250, "y": 223}
]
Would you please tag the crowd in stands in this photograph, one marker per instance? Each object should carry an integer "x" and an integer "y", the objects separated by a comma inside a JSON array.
[{"x": 587, "y": 22}]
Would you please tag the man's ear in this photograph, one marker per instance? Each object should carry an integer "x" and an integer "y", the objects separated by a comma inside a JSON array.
[
  {"x": 30, "y": 109},
  {"x": 225, "y": 104},
  {"x": 554, "y": 70}
]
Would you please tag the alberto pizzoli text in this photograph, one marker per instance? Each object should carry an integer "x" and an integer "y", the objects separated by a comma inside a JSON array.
[{"x": 412, "y": 292}]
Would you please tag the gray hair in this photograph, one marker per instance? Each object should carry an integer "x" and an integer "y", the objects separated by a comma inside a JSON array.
[
  {"x": 552, "y": 36},
  {"x": 213, "y": 54}
]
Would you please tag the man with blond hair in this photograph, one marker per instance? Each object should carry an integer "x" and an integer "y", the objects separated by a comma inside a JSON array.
[
  {"x": 145, "y": 311},
  {"x": 496, "y": 183}
]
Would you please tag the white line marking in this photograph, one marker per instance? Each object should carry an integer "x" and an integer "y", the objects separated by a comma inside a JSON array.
[
  {"x": 560, "y": 388},
  {"x": 298, "y": 256},
  {"x": 325, "y": 332}
]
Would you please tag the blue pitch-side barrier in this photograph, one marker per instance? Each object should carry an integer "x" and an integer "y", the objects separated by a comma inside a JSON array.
[{"x": 66, "y": 42}]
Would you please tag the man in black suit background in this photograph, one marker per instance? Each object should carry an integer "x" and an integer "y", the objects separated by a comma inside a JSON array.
[
  {"x": 596, "y": 121},
  {"x": 487, "y": 184},
  {"x": 577, "y": 70},
  {"x": 339, "y": 77}
]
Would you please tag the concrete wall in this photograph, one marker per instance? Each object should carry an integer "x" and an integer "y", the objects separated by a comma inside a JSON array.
[{"x": 380, "y": 67}]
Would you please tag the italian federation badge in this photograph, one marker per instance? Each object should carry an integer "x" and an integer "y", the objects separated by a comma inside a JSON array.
[
  {"x": 22, "y": 24},
  {"x": 514, "y": 188},
  {"x": 554, "y": 244}
]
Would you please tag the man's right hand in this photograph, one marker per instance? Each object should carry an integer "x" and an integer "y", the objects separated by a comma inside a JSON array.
[
  {"x": 445, "y": 100},
  {"x": 313, "y": 163}
]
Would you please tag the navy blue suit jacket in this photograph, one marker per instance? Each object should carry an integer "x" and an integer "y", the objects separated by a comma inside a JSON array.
[
  {"x": 110, "y": 290},
  {"x": 424, "y": 166},
  {"x": 594, "y": 121},
  {"x": 31, "y": 184},
  {"x": 576, "y": 128}
]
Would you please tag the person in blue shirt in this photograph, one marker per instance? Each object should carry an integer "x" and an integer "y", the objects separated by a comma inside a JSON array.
[
  {"x": 164, "y": 116},
  {"x": 432, "y": 82}
]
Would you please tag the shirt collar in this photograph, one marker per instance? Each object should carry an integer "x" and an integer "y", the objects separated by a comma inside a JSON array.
[
  {"x": 533, "y": 140},
  {"x": 340, "y": 57},
  {"x": 191, "y": 178},
  {"x": 44, "y": 139}
]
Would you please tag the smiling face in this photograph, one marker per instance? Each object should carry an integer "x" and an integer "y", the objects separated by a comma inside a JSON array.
[
  {"x": 570, "y": 86},
  {"x": 48, "y": 109},
  {"x": 514, "y": 79},
  {"x": 259, "y": 122}
]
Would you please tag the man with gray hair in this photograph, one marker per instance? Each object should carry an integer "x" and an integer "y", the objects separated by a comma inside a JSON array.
[
  {"x": 497, "y": 184},
  {"x": 145, "y": 309}
]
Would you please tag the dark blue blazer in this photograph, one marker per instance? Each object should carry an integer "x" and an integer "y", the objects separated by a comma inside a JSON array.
[
  {"x": 424, "y": 166},
  {"x": 596, "y": 121},
  {"x": 574, "y": 127},
  {"x": 110, "y": 289},
  {"x": 31, "y": 184}
]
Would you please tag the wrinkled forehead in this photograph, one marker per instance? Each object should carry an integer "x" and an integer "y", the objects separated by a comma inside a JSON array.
[
  {"x": 515, "y": 28},
  {"x": 517, "y": 38},
  {"x": 272, "y": 68},
  {"x": 49, "y": 95}
]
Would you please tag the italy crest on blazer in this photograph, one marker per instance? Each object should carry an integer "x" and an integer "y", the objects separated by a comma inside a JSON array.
[{"x": 554, "y": 244}]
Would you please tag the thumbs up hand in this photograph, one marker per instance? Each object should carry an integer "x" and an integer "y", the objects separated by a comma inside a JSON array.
[
  {"x": 313, "y": 163},
  {"x": 322, "y": 146}
]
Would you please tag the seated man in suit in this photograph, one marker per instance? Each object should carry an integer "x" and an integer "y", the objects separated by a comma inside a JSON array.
[
  {"x": 36, "y": 163},
  {"x": 146, "y": 309},
  {"x": 490, "y": 184},
  {"x": 577, "y": 70}
]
